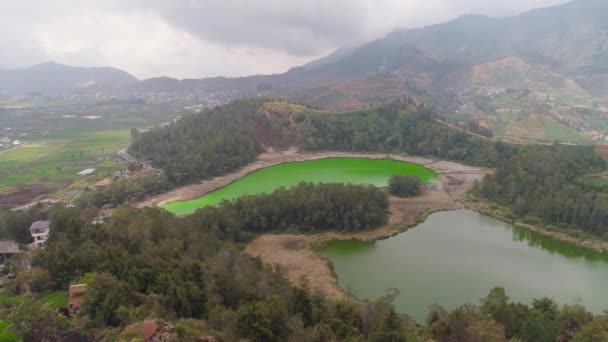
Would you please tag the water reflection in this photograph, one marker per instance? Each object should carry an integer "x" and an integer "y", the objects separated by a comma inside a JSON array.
[{"x": 553, "y": 246}]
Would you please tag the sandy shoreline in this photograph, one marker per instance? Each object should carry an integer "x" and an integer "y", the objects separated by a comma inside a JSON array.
[{"x": 268, "y": 159}]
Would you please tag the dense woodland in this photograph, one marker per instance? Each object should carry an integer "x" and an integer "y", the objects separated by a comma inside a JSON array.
[
  {"x": 148, "y": 264},
  {"x": 203, "y": 145},
  {"x": 219, "y": 140},
  {"x": 392, "y": 129},
  {"x": 545, "y": 183}
]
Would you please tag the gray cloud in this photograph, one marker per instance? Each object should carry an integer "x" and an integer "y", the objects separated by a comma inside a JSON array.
[{"x": 197, "y": 38}]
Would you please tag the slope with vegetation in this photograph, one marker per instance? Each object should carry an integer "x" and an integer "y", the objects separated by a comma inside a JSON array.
[
  {"x": 532, "y": 180},
  {"x": 148, "y": 264}
]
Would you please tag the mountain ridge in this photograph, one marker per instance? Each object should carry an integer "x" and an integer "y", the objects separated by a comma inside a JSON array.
[{"x": 53, "y": 78}]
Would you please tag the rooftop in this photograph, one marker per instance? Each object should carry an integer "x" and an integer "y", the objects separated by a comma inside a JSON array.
[
  {"x": 9, "y": 247},
  {"x": 40, "y": 227},
  {"x": 86, "y": 172}
]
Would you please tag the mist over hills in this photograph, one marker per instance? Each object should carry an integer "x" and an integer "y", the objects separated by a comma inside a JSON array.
[
  {"x": 553, "y": 50},
  {"x": 53, "y": 79}
]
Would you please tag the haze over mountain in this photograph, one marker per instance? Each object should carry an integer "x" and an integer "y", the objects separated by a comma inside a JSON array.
[
  {"x": 558, "y": 49},
  {"x": 54, "y": 78}
]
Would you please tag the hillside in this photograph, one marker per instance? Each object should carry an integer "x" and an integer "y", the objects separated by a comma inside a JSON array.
[
  {"x": 558, "y": 56},
  {"x": 54, "y": 79}
]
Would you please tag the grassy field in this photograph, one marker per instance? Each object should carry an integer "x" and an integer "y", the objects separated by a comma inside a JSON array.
[
  {"x": 555, "y": 131},
  {"x": 56, "y": 299},
  {"x": 54, "y": 162},
  {"x": 5, "y": 334},
  {"x": 62, "y": 139}
]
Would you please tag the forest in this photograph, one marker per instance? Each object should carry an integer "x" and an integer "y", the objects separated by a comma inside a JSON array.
[
  {"x": 219, "y": 140},
  {"x": 545, "y": 183},
  {"x": 202, "y": 145},
  {"x": 147, "y": 263}
]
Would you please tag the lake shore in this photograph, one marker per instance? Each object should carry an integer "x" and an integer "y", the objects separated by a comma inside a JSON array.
[
  {"x": 298, "y": 255},
  {"x": 589, "y": 243},
  {"x": 451, "y": 171}
]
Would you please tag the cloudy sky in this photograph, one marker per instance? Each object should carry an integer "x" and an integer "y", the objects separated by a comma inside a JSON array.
[{"x": 200, "y": 38}]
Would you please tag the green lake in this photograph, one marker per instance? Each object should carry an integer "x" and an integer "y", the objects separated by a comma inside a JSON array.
[
  {"x": 332, "y": 170},
  {"x": 457, "y": 257}
]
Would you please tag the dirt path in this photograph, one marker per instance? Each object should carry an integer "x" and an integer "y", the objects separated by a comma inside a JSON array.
[
  {"x": 304, "y": 267},
  {"x": 194, "y": 191}
]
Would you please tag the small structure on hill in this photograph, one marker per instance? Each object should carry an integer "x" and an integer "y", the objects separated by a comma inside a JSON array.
[
  {"x": 76, "y": 297},
  {"x": 40, "y": 232},
  {"x": 7, "y": 250},
  {"x": 86, "y": 172}
]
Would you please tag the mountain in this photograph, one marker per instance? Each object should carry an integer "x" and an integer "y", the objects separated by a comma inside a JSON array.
[{"x": 54, "y": 78}]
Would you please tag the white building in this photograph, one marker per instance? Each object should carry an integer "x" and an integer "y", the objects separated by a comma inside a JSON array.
[{"x": 40, "y": 232}]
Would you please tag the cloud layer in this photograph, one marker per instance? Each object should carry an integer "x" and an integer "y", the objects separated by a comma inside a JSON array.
[{"x": 199, "y": 38}]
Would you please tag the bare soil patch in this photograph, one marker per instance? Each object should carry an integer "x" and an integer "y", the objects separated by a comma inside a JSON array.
[{"x": 23, "y": 195}]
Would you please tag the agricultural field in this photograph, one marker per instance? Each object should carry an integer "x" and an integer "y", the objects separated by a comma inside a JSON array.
[
  {"x": 523, "y": 117},
  {"x": 58, "y": 140}
]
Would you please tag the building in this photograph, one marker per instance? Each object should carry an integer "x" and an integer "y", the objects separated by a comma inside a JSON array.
[
  {"x": 7, "y": 250},
  {"x": 86, "y": 172},
  {"x": 40, "y": 232}
]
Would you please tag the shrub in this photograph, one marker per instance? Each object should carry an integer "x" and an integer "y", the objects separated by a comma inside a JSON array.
[{"x": 405, "y": 186}]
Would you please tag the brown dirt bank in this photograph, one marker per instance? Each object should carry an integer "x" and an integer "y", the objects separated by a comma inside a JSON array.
[{"x": 189, "y": 192}]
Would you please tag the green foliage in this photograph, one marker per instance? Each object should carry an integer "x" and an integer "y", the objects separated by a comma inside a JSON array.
[
  {"x": 596, "y": 330},
  {"x": 15, "y": 225},
  {"x": 105, "y": 294},
  {"x": 405, "y": 186},
  {"x": 56, "y": 299},
  {"x": 543, "y": 182},
  {"x": 126, "y": 191},
  {"x": 36, "y": 321},
  {"x": 203, "y": 145},
  {"x": 306, "y": 207}
]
